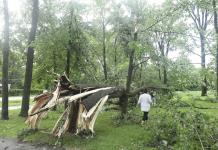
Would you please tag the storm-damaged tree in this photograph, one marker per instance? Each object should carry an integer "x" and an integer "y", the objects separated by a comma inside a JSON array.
[
  {"x": 6, "y": 48},
  {"x": 29, "y": 63}
]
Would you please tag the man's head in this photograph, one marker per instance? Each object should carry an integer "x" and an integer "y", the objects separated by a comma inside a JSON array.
[{"x": 145, "y": 91}]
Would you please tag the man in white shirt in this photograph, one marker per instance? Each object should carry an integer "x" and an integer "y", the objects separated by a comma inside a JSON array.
[{"x": 145, "y": 102}]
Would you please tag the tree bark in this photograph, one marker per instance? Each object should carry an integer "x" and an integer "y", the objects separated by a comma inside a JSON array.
[
  {"x": 29, "y": 63},
  {"x": 124, "y": 98},
  {"x": 70, "y": 45},
  {"x": 123, "y": 101},
  {"x": 68, "y": 62},
  {"x": 69, "y": 50},
  {"x": 159, "y": 71},
  {"x": 6, "y": 48},
  {"x": 55, "y": 70},
  {"x": 164, "y": 75},
  {"x": 204, "y": 81},
  {"x": 74, "y": 109},
  {"x": 216, "y": 29},
  {"x": 104, "y": 50}
]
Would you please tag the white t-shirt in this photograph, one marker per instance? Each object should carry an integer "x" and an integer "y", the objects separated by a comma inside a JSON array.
[{"x": 145, "y": 101}]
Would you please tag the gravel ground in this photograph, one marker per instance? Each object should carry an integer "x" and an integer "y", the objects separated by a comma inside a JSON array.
[{"x": 13, "y": 144}]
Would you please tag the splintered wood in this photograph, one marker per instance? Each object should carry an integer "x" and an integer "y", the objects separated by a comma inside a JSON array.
[{"x": 84, "y": 105}]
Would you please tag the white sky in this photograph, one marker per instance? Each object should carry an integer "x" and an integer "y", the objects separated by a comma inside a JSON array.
[{"x": 15, "y": 5}]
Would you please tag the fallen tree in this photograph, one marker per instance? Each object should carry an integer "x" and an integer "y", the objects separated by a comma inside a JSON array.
[{"x": 84, "y": 105}]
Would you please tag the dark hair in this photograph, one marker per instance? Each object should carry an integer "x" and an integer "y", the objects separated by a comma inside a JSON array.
[{"x": 145, "y": 91}]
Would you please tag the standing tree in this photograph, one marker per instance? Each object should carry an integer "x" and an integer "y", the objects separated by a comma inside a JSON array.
[
  {"x": 5, "y": 63},
  {"x": 29, "y": 63},
  {"x": 104, "y": 39},
  {"x": 201, "y": 17},
  {"x": 216, "y": 29}
]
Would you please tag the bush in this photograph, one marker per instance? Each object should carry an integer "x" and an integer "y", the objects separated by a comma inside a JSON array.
[
  {"x": 174, "y": 128},
  {"x": 163, "y": 131},
  {"x": 19, "y": 92}
]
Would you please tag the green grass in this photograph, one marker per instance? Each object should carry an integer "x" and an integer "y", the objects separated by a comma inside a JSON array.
[
  {"x": 108, "y": 135},
  {"x": 10, "y": 128},
  {"x": 193, "y": 97}
]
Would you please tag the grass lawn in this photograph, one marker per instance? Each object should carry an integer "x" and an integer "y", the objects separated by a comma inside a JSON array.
[
  {"x": 193, "y": 97},
  {"x": 108, "y": 135}
]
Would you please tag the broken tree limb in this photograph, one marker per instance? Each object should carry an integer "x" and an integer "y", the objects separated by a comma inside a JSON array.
[
  {"x": 40, "y": 101},
  {"x": 69, "y": 98},
  {"x": 94, "y": 115},
  {"x": 62, "y": 124}
]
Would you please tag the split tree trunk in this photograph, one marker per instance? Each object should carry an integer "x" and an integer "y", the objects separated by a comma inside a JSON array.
[
  {"x": 29, "y": 63},
  {"x": 73, "y": 116},
  {"x": 6, "y": 48}
]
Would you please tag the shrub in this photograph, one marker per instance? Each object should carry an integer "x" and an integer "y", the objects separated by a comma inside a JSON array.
[
  {"x": 19, "y": 92},
  {"x": 174, "y": 128}
]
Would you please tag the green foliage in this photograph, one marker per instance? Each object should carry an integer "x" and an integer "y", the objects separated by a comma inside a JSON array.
[
  {"x": 178, "y": 128},
  {"x": 183, "y": 75},
  {"x": 19, "y": 92}
]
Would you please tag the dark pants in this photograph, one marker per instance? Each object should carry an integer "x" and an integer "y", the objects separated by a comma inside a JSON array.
[{"x": 145, "y": 116}]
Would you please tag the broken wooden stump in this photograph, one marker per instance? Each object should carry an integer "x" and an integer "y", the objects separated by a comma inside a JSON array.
[{"x": 84, "y": 105}]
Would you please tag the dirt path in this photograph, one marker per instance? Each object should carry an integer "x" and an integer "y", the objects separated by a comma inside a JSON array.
[{"x": 13, "y": 144}]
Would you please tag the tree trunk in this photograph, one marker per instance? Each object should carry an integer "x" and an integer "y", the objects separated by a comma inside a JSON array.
[
  {"x": 130, "y": 71},
  {"x": 124, "y": 98},
  {"x": 140, "y": 75},
  {"x": 216, "y": 29},
  {"x": 74, "y": 109},
  {"x": 159, "y": 71},
  {"x": 4, "y": 115},
  {"x": 68, "y": 67},
  {"x": 203, "y": 67},
  {"x": 55, "y": 70},
  {"x": 68, "y": 63},
  {"x": 69, "y": 50},
  {"x": 123, "y": 101},
  {"x": 164, "y": 75},
  {"x": 104, "y": 50},
  {"x": 29, "y": 63},
  {"x": 115, "y": 62}
]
